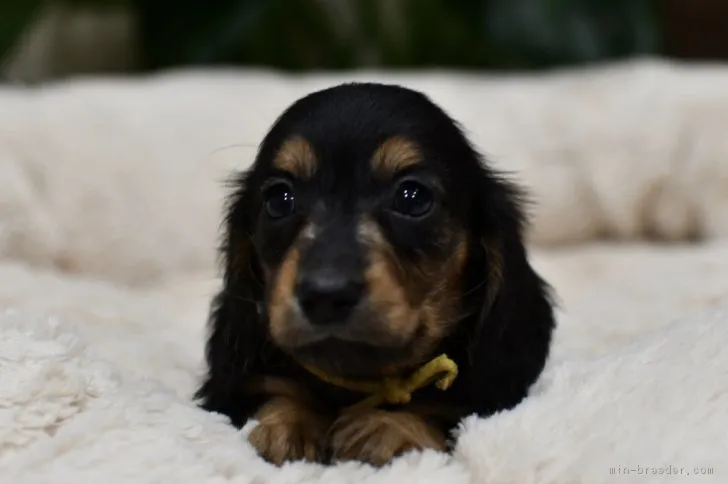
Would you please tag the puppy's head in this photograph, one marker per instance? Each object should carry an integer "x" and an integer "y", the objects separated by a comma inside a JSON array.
[{"x": 358, "y": 218}]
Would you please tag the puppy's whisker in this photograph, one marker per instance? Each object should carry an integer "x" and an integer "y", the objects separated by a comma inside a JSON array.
[
  {"x": 476, "y": 287},
  {"x": 234, "y": 145},
  {"x": 458, "y": 318},
  {"x": 241, "y": 298},
  {"x": 253, "y": 275}
]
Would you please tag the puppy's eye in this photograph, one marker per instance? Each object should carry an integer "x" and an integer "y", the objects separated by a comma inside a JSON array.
[
  {"x": 412, "y": 199},
  {"x": 279, "y": 201}
]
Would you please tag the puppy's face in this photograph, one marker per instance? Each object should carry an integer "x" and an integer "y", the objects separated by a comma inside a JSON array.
[{"x": 359, "y": 225}]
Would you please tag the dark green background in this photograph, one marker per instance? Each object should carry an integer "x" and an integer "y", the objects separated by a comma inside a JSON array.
[{"x": 303, "y": 34}]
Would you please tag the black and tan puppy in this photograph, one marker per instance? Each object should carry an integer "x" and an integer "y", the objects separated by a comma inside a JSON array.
[{"x": 367, "y": 240}]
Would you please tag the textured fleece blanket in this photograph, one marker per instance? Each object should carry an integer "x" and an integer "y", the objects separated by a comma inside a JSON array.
[{"x": 109, "y": 204}]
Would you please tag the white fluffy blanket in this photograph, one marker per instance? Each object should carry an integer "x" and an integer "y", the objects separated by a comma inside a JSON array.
[{"x": 109, "y": 204}]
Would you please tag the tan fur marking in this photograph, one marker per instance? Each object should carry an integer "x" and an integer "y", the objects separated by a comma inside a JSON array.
[
  {"x": 384, "y": 280},
  {"x": 284, "y": 282},
  {"x": 288, "y": 431},
  {"x": 297, "y": 156},
  {"x": 396, "y": 154},
  {"x": 391, "y": 288},
  {"x": 282, "y": 295},
  {"x": 439, "y": 310},
  {"x": 378, "y": 436},
  {"x": 447, "y": 292}
]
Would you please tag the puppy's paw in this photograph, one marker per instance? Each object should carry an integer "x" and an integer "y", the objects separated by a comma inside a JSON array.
[
  {"x": 378, "y": 436},
  {"x": 288, "y": 431}
]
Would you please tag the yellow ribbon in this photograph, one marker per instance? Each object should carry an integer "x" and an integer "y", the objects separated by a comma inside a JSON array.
[{"x": 395, "y": 390}]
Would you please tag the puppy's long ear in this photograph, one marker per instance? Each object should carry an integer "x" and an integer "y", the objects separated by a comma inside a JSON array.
[
  {"x": 237, "y": 334},
  {"x": 512, "y": 333}
]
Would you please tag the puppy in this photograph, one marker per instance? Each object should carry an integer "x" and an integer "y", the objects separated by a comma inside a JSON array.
[{"x": 376, "y": 285}]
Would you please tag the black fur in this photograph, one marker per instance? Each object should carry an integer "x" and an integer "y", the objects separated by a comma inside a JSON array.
[{"x": 502, "y": 343}]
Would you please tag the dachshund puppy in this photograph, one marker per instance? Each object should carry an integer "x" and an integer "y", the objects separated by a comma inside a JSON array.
[{"x": 376, "y": 286}]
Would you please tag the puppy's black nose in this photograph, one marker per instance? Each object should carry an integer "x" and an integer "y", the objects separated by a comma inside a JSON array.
[{"x": 328, "y": 296}]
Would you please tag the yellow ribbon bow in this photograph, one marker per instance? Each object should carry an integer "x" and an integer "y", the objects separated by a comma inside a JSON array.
[{"x": 395, "y": 390}]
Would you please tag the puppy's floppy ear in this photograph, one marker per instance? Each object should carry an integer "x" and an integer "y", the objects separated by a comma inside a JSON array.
[
  {"x": 511, "y": 336},
  {"x": 237, "y": 333}
]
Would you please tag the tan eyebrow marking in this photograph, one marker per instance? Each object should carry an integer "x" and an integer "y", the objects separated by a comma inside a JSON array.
[
  {"x": 395, "y": 154},
  {"x": 297, "y": 157}
]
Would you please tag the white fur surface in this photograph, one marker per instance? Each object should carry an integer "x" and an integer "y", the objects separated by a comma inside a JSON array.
[
  {"x": 109, "y": 204},
  {"x": 100, "y": 390}
]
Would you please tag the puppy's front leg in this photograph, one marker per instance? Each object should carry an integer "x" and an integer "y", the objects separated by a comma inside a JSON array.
[
  {"x": 289, "y": 430},
  {"x": 377, "y": 436}
]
